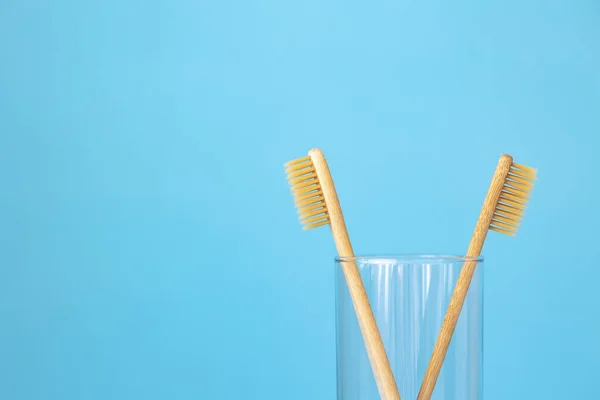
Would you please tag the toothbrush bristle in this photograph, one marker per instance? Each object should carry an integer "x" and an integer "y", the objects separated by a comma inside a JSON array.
[
  {"x": 307, "y": 193},
  {"x": 513, "y": 199}
]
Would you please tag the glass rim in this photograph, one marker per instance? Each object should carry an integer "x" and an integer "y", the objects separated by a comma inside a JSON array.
[{"x": 409, "y": 258}]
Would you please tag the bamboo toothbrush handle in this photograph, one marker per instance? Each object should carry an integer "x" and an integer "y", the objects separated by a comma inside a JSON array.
[
  {"x": 380, "y": 365},
  {"x": 464, "y": 279}
]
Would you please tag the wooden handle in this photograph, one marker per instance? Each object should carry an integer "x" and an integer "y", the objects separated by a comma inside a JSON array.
[
  {"x": 380, "y": 364},
  {"x": 464, "y": 279}
]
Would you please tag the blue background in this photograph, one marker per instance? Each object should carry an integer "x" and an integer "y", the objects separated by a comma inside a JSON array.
[{"x": 149, "y": 244}]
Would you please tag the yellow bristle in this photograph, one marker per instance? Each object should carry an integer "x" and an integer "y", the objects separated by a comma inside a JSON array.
[
  {"x": 312, "y": 213},
  {"x": 515, "y": 185},
  {"x": 306, "y": 177},
  {"x": 310, "y": 207},
  {"x": 515, "y": 192},
  {"x": 311, "y": 189},
  {"x": 509, "y": 233},
  {"x": 511, "y": 203},
  {"x": 513, "y": 199},
  {"x": 507, "y": 214},
  {"x": 502, "y": 218},
  {"x": 300, "y": 172},
  {"x": 303, "y": 184},
  {"x": 508, "y": 211},
  {"x": 305, "y": 197},
  {"x": 504, "y": 226},
  {"x": 308, "y": 196},
  {"x": 297, "y": 161},
  {"x": 525, "y": 170},
  {"x": 518, "y": 179},
  {"x": 307, "y": 227},
  {"x": 308, "y": 201},
  {"x": 315, "y": 219}
]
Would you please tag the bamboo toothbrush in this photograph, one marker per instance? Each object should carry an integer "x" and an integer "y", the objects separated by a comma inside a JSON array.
[
  {"x": 502, "y": 212},
  {"x": 318, "y": 205}
]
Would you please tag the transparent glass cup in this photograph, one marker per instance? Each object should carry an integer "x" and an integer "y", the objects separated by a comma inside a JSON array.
[{"x": 409, "y": 295}]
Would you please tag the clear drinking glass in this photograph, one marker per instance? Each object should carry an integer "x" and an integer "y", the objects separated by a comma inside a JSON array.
[{"x": 409, "y": 295}]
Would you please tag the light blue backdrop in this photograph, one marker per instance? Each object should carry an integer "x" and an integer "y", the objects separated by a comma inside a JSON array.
[{"x": 149, "y": 245}]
